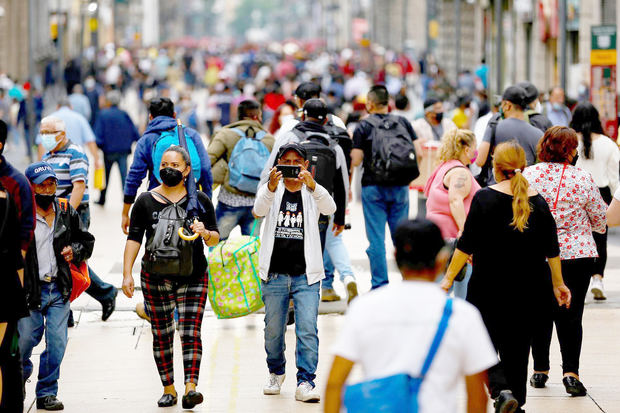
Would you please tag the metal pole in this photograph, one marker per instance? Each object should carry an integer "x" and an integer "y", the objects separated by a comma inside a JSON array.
[
  {"x": 429, "y": 5},
  {"x": 457, "y": 40},
  {"x": 61, "y": 51},
  {"x": 562, "y": 10},
  {"x": 404, "y": 23},
  {"x": 498, "y": 45},
  {"x": 31, "y": 120}
]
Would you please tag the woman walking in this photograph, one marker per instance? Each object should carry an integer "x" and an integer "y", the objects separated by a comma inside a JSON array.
[
  {"x": 578, "y": 208},
  {"x": 598, "y": 155},
  {"x": 162, "y": 288},
  {"x": 450, "y": 190},
  {"x": 512, "y": 237}
]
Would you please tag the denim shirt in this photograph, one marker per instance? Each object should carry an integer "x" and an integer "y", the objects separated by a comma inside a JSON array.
[{"x": 44, "y": 236}]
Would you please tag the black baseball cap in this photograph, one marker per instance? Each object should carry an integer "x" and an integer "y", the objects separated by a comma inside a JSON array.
[
  {"x": 531, "y": 93},
  {"x": 292, "y": 147},
  {"x": 515, "y": 94},
  {"x": 315, "y": 108},
  {"x": 430, "y": 102},
  {"x": 308, "y": 90}
]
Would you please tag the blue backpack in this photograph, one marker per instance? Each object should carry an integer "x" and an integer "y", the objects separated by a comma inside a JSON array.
[
  {"x": 171, "y": 138},
  {"x": 397, "y": 393},
  {"x": 247, "y": 161}
]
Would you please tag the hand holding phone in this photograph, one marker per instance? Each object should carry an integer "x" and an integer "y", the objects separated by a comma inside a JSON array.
[{"x": 289, "y": 171}]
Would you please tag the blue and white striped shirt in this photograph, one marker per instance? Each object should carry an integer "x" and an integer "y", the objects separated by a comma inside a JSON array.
[{"x": 71, "y": 165}]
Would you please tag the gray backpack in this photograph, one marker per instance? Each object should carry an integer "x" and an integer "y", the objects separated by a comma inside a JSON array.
[{"x": 167, "y": 254}]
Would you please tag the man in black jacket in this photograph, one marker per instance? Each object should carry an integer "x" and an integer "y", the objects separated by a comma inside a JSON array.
[{"x": 59, "y": 240}]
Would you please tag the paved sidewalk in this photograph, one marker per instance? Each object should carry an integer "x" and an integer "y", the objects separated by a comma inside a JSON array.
[{"x": 109, "y": 366}]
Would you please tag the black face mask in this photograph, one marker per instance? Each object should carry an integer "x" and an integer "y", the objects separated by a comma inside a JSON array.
[
  {"x": 439, "y": 117},
  {"x": 170, "y": 176},
  {"x": 44, "y": 201},
  {"x": 574, "y": 161}
]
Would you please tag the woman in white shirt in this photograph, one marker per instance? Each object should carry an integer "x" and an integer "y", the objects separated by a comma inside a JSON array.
[{"x": 599, "y": 156}]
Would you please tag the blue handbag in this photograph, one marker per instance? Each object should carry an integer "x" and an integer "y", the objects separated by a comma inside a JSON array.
[{"x": 397, "y": 393}]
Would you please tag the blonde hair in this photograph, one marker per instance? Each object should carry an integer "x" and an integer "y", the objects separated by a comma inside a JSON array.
[
  {"x": 454, "y": 142},
  {"x": 508, "y": 163}
]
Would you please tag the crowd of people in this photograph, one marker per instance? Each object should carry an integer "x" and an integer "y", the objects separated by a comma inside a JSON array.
[{"x": 515, "y": 196}]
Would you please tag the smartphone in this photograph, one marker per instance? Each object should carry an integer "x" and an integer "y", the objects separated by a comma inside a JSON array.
[{"x": 289, "y": 171}]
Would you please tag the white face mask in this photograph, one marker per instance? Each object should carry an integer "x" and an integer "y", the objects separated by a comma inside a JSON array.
[
  {"x": 48, "y": 140},
  {"x": 538, "y": 108}
]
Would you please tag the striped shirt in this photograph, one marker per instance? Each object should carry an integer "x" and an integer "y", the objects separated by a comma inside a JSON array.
[{"x": 71, "y": 165}]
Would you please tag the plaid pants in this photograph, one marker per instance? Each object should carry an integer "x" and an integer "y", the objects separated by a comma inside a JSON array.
[{"x": 161, "y": 296}]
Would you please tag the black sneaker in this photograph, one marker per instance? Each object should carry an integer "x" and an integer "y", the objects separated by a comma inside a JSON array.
[
  {"x": 108, "y": 306},
  {"x": 574, "y": 387},
  {"x": 506, "y": 402},
  {"x": 167, "y": 400},
  {"x": 538, "y": 380},
  {"x": 49, "y": 403},
  {"x": 191, "y": 399},
  {"x": 71, "y": 321}
]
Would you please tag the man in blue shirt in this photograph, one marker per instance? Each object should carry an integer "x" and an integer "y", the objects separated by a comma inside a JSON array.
[
  {"x": 115, "y": 133},
  {"x": 77, "y": 129},
  {"x": 162, "y": 117}
]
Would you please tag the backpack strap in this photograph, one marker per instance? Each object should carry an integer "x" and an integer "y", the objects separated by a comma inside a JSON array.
[{"x": 441, "y": 330}]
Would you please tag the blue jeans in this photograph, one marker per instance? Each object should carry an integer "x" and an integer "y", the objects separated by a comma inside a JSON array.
[
  {"x": 382, "y": 205},
  {"x": 109, "y": 159},
  {"x": 51, "y": 319},
  {"x": 228, "y": 217},
  {"x": 335, "y": 255},
  {"x": 99, "y": 289},
  {"x": 460, "y": 287},
  {"x": 277, "y": 291}
]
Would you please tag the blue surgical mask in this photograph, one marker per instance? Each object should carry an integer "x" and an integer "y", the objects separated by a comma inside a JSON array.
[
  {"x": 557, "y": 106},
  {"x": 48, "y": 140}
]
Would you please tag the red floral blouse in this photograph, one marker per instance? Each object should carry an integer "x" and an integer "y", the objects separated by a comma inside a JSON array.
[{"x": 576, "y": 205}]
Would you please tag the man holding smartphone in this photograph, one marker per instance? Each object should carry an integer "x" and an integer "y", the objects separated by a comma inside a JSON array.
[{"x": 291, "y": 265}]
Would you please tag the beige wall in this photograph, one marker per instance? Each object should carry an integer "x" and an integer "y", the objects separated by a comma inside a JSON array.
[{"x": 14, "y": 39}]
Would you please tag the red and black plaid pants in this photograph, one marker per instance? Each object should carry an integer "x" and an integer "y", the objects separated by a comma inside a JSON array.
[{"x": 161, "y": 296}]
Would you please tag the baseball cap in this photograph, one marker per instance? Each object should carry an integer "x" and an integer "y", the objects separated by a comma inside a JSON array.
[
  {"x": 315, "y": 108},
  {"x": 430, "y": 102},
  {"x": 39, "y": 172},
  {"x": 515, "y": 94},
  {"x": 531, "y": 93},
  {"x": 308, "y": 90},
  {"x": 292, "y": 147}
]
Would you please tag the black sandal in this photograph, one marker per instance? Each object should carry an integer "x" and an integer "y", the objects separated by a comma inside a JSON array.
[
  {"x": 191, "y": 399},
  {"x": 167, "y": 400}
]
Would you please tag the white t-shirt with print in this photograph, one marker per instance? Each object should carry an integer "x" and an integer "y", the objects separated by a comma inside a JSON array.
[{"x": 389, "y": 331}]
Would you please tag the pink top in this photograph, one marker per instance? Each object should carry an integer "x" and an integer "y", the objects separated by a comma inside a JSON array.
[
  {"x": 438, "y": 202},
  {"x": 576, "y": 205}
]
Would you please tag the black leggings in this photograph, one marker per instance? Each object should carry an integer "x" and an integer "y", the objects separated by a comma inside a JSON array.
[
  {"x": 601, "y": 239},
  {"x": 576, "y": 275}
]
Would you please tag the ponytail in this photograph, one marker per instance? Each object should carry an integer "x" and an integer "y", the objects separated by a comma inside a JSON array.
[{"x": 521, "y": 208}]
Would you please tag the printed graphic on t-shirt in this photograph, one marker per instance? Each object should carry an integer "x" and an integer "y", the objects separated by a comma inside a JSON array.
[{"x": 290, "y": 221}]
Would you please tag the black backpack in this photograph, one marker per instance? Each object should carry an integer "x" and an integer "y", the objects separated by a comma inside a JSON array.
[
  {"x": 167, "y": 254},
  {"x": 341, "y": 136},
  {"x": 321, "y": 158},
  {"x": 393, "y": 154}
]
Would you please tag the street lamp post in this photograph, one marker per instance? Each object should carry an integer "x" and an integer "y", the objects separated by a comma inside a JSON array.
[
  {"x": 498, "y": 45},
  {"x": 562, "y": 11}
]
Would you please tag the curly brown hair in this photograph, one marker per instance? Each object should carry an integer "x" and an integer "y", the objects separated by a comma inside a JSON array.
[{"x": 557, "y": 144}]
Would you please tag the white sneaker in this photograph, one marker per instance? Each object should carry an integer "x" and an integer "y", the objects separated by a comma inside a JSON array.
[
  {"x": 597, "y": 289},
  {"x": 274, "y": 384},
  {"x": 307, "y": 393}
]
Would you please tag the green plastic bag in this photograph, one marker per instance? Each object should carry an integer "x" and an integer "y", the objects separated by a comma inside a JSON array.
[{"x": 234, "y": 284}]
